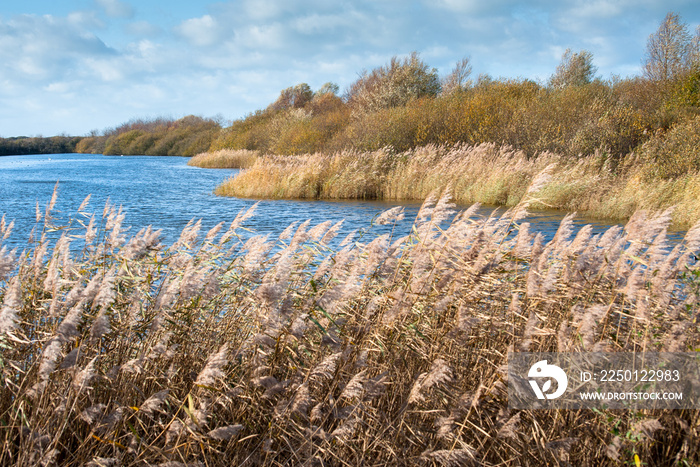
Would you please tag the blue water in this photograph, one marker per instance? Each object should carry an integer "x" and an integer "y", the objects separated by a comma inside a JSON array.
[{"x": 167, "y": 193}]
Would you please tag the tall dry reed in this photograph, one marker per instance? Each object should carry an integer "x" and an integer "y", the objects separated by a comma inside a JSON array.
[
  {"x": 224, "y": 159},
  {"x": 225, "y": 349},
  {"x": 596, "y": 185}
]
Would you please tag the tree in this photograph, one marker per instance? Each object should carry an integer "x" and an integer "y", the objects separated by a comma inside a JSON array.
[
  {"x": 575, "y": 69},
  {"x": 328, "y": 88},
  {"x": 294, "y": 97},
  {"x": 458, "y": 79},
  {"x": 394, "y": 84},
  {"x": 694, "y": 55},
  {"x": 671, "y": 51}
]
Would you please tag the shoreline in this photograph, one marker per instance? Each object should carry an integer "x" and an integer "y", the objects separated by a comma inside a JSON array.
[{"x": 596, "y": 186}]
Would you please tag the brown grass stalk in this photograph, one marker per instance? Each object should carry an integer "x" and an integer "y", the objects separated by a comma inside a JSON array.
[
  {"x": 595, "y": 185},
  {"x": 227, "y": 351}
]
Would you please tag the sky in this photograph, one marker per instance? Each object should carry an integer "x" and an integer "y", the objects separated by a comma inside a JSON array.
[{"x": 77, "y": 66}]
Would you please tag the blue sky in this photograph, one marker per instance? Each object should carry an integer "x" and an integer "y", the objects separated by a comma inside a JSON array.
[{"x": 79, "y": 65}]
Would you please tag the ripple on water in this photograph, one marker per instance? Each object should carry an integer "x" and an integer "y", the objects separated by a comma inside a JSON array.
[{"x": 167, "y": 193}]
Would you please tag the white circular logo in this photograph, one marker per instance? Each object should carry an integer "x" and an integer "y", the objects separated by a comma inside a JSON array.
[{"x": 552, "y": 372}]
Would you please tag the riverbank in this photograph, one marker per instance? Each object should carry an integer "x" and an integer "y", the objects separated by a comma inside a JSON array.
[
  {"x": 224, "y": 159},
  {"x": 279, "y": 350},
  {"x": 598, "y": 186},
  {"x": 23, "y": 145}
]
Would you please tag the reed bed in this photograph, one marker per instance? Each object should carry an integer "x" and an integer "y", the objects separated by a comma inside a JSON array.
[
  {"x": 485, "y": 173},
  {"x": 232, "y": 349},
  {"x": 597, "y": 185},
  {"x": 224, "y": 159}
]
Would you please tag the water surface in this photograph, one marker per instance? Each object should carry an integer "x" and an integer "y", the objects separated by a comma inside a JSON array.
[{"x": 167, "y": 193}]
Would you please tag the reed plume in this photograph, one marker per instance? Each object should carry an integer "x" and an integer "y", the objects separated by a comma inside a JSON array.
[{"x": 236, "y": 348}]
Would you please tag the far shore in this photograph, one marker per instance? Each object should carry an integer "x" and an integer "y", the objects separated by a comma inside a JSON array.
[{"x": 595, "y": 186}]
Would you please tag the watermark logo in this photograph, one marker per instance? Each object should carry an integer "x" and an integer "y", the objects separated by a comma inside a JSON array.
[
  {"x": 542, "y": 370},
  {"x": 603, "y": 380}
]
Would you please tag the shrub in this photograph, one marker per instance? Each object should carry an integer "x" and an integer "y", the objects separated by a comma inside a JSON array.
[
  {"x": 575, "y": 69},
  {"x": 121, "y": 143},
  {"x": 294, "y": 97},
  {"x": 394, "y": 85},
  {"x": 184, "y": 137},
  {"x": 675, "y": 153}
]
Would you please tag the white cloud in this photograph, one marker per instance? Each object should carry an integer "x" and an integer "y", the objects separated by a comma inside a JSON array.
[
  {"x": 493, "y": 7},
  {"x": 45, "y": 47},
  {"x": 105, "y": 69},
  {"x": 597, "y": 9},
  {"x": 85, "y": 20},
  {"x": 142, "y": 29},
  {"x": 60, "y": 88},
  {"x": 458, "y": 5},
  {"x": 29, "y": 67},
  {"x": 201, "y": 32},
  {"x": 116, "y": 8},
  {"x": 264, "y": 9},
  {"x": 270, "y": 36},
  {"x": 315, "y": 23},
  {"x": 233, "y": 57}
]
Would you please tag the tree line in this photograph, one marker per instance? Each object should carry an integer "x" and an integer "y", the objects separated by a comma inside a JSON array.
[
  {"x": 406, "y": 103},
  {"x": 156, "y": 137},
  {"x": 22, "y": 145}
]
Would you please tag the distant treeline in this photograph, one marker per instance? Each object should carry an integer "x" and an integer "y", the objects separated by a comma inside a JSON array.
[
  {"x": 157, "y": 137},
  {"x": 22, "y": 145}
]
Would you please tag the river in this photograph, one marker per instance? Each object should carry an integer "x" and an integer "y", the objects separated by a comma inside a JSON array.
[{"x": 167, "y": 193}]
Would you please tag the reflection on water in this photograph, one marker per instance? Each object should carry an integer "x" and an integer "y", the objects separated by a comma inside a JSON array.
[{"x": 166, "y": 193}]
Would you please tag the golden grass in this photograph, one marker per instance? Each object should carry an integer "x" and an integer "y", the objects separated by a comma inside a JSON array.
[
  {"x": 224, "y": 159},
  {"x": 226, "y": 350},
  {"x": 596, "y": 185},
  {"x": 385, "y": 175}
]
